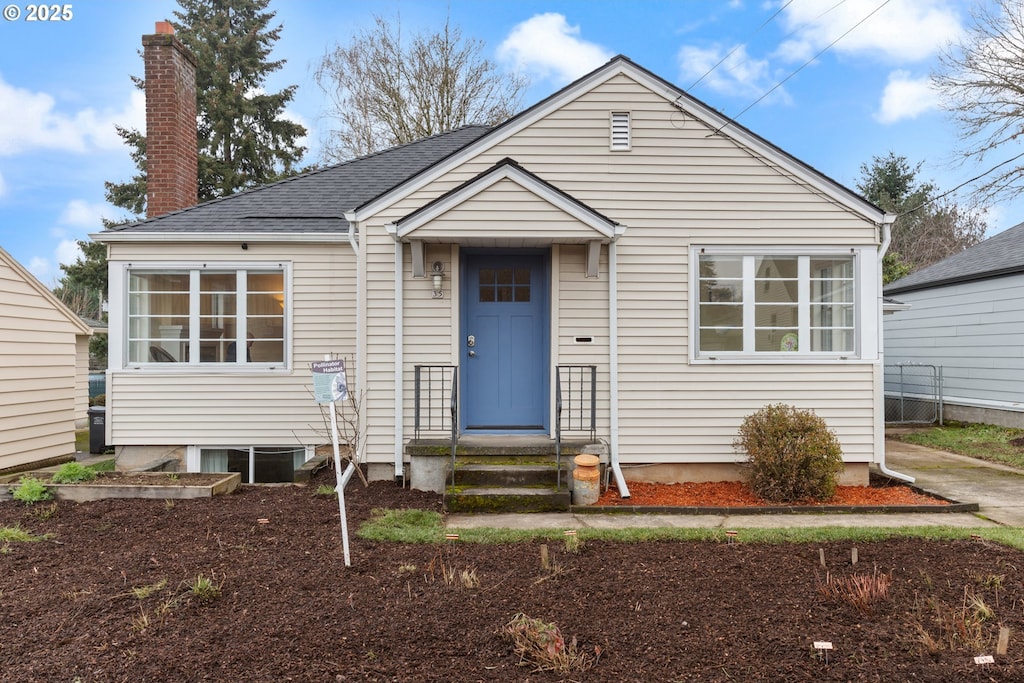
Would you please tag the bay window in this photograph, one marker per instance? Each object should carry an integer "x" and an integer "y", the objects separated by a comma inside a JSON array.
[
  {"x": 781, "y": 304},
  {"x": 207, "y": 315}
]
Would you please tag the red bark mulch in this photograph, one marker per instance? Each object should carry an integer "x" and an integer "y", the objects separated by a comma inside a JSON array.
[{"x": 738, "y": 494}]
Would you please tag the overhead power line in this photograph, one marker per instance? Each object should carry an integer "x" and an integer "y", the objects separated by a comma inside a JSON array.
[
  {"x": 778, "y": 85},
  {"x": 730, "y": 53}
]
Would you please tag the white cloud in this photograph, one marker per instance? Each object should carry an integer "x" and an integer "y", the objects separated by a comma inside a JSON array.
[
  {"x": 82, "y": 214},
  {"x": 32, "y": 120},
  {"x": 3, "y": 186},
  {"x": 42, "y": 268},
  {"x": 67, "y": 252},
  {"x": 902, "y": 30},
  {"x": 906, "y": 98},
  {"x": 739, "y": 74},
  {"x": 546, "y": 47}
]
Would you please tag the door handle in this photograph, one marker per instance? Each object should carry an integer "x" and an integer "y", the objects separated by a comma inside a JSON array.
[{"x": 472, "y": 353}]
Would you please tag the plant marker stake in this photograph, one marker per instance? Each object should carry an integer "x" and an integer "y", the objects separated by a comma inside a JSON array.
[
  {"x": 821, "y": 557},
  {"x": 853, "y": 556},
  {"x": 570, "y": 532},
  {"x": 451, "y": 537},
  {"x": 1004, "y": 641},
  {"x": 823, "y": 646},
  {"x": 982, "y": 660},
  {"x": 730, "y": 536}
]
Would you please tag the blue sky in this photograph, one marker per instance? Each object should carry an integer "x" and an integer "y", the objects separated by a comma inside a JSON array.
[{"x": 63, "y": 85}]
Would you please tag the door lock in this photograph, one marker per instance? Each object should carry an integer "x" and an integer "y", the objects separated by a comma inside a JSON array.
[{"x": 470, "y": 341}]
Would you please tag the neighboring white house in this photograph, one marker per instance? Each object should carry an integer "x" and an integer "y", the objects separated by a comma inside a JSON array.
[
  {"x": 44, "y": 367},
  {"x": 619, "y": 224},
  {"x": 966, "y": 316}
]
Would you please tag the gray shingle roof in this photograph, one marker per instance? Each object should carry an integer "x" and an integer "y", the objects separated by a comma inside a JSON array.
[
  {"x": 315, "y": 201},
  {"x": 999, "y": 255}
]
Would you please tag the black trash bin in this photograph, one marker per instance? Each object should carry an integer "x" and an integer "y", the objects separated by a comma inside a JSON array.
[{"x": 97, "y": 429}]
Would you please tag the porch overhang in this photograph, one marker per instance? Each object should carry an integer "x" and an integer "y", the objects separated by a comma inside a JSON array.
[{"x": 506, "y": 206}]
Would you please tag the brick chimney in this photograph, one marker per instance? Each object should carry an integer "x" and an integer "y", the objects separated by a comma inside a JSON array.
[{"x": 171, "y": 149}]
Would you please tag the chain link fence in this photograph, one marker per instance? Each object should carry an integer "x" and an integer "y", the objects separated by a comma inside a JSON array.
[{"x": 913, "y": 393}]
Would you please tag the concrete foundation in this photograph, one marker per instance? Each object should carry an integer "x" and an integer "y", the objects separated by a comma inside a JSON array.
[
  {"x": 428, "y": 472},
  {"x": 136, "y": 458},
  {"x": 990, "y": 416}
]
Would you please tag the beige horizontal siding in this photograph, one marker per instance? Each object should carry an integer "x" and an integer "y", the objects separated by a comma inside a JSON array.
[
  {"x": 152, "y": 407},
  {"x": 679, "y": 186},
  {"x": 39, "y": 381}
]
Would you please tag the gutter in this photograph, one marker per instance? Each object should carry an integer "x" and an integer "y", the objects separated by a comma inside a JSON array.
[
  {"x": 887, "y": 222},
  {"x": 613, "y": 369}
]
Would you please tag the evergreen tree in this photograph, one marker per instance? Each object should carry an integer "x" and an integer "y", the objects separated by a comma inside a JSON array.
[
  {"x": 928, "y": 228},
  {"x": 243, "y": 140},
  {"x": 83, "y": 289}
]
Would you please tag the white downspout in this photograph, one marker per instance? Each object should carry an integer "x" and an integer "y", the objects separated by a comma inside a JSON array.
[
  {"x": 613, "y": 369},
  {"x": 359, "y": 374},
  {"x": 399, "y": 360},
  {"x": 887, "y": 222}
]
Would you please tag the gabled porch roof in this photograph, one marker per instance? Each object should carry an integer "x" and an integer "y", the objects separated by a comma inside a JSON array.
[{"x": 470, "y": 214}]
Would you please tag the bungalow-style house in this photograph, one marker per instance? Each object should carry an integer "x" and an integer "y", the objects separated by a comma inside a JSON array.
[
  {"x": 620, "y": 251},
  {"x": 966, "y": 316},
  {"x": 44, "y": 368}
]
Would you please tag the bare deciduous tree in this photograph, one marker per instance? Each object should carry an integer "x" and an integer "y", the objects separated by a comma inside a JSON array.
[
  {"x": 384, "y": 92},
  {"x": 981, "y": 78}
]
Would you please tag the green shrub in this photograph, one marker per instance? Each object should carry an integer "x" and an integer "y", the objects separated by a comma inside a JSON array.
[
  {"x": 98, "y": 400},
  {"x": 72, "y": 473},
  {"x": 793, "y": 455},
  {"x": 31, "y": 490}
]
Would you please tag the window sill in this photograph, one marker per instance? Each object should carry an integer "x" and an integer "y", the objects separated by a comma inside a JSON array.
[{"x": 782, "y": 360}]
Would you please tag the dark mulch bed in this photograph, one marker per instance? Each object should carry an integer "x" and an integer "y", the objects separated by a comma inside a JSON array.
[{"x": 291, "y": 611}]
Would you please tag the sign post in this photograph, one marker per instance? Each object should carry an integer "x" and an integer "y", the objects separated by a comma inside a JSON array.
[{"x": 331, "y": 386}]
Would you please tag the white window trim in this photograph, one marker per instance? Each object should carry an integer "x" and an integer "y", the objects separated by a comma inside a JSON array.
[
  {"x": 118, "y": 274},
  {"x": 193, "y": 455},
  {"x": 867, "y": 293}
]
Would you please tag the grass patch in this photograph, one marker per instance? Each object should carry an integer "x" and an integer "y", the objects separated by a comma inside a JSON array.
[
  {"x": 82, "y": 440},
  {"x": 422, "y": 526},
  {"x": 403, "y": 526},
  {"x": 15, "y": 534},
  {"x": 987, "y": 442},
  {"x": 103, "y": 466}
]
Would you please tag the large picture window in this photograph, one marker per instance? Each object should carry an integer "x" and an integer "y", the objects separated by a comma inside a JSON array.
[
  {"x": 206, "y": 315},
  {"x": 776, "y": 304}
]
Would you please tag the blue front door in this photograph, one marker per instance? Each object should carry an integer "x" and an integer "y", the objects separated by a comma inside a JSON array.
[{"x": 505, "y": 342}]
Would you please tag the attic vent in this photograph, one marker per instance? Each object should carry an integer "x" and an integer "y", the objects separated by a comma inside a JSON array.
[{"x": 620, "y": 130}]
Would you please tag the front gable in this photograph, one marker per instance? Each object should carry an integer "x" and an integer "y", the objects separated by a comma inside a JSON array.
[
  {"x": 506, "y": 206},
  {"x": 604, "y": 131}
]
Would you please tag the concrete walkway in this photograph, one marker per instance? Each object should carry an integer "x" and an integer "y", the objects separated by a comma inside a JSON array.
[{"x": 998, "y": 490}]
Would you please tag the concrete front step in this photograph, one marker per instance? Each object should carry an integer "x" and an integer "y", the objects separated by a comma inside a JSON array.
[
  {"x": 505, "y": 475},
  {"x": 507, "y": 499}
]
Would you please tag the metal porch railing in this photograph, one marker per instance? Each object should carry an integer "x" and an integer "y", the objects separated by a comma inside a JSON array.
[
  {"x": 576, "y": 396},
  {"x": 437, "y": 403}
]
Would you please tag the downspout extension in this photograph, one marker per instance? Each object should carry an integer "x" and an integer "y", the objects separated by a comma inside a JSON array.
[
  {"x": 613, "y": 369},
  {"x": 887, "y": 222}
]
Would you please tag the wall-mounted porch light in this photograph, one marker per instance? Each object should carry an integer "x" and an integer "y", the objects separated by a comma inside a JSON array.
[{"x": 438, "y": 278}]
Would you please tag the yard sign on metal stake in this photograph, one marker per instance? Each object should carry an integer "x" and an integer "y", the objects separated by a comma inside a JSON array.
[{"x": 330, "y": 386}]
